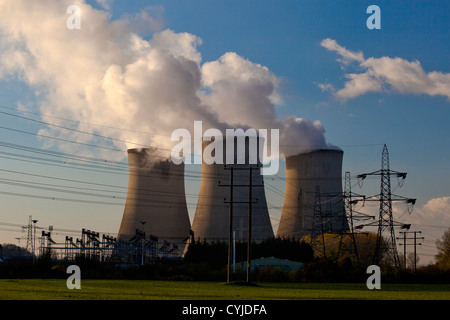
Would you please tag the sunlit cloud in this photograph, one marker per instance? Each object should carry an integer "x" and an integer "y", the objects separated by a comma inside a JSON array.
[{"x": 386, "y": 74}]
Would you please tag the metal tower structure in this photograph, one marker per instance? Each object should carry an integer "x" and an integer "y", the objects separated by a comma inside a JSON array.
[
  {"x": 386, "y": 222},
  {"x": 30, "y": 247},
  {"x": 351, "y": 216},
  {"x": 31, "y": 237},
  {"x": 325, "y": 219},
  {"x": 318, "y": 223}
]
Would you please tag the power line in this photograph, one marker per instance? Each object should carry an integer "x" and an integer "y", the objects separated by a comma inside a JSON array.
[
  {"x": 136, "y": 131},
  {"x": 62, "y": 155},
  {"x": 15, "y": 194},
  {"x": 120, "y": 167},
  {"x": 85, "y": 123},
  {"x": 80, "y": 131},
  {"x": 60, "y": 139}
]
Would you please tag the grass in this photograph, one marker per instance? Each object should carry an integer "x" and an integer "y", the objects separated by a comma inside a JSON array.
[{"x": 56, "y": 289}]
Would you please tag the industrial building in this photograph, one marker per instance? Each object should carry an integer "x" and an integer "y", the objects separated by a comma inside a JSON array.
[
  {"x": 211, "y": 220},
  {"x": 156, "y": 196},
  {"x": 156, "y": 202},
  {"x": 156, "y": 223},
  {"x": 305, "y": 174}
]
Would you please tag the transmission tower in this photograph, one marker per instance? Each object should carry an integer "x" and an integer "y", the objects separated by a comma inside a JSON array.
[
  {"x": 318, "y": 223},
  {"x": 350, "y": 217},
  {"x": 386, "y": 222},
  {"x": 31, "y": 237},
  {"x": 29, "y": 228},
  {"x": 326, "y": 219}
]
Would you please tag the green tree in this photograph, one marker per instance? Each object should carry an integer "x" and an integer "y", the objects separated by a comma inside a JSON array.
[
  {"x": 443, "y": 247},
  {"x": 365, "y": 243},
  {"x": 11, "y": 251}
]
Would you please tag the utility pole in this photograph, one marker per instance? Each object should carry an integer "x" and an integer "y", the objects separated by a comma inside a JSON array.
[
  {"x": 250, "y": 201},
  {"x": 230, "y": 224},
  {"x": 415, "y": 244},
  {"x": 249, "y": 245}
]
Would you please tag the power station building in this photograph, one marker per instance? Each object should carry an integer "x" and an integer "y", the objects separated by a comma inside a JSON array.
[
  {"x": 306, "y": 173},
  {"x": 211, "y": 220},
  {"x": 156, "y": 199},
  {"x": 156, "y": 202}
]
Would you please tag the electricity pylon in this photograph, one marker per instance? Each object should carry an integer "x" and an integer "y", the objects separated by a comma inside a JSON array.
[
  {"x": 29, "y": 227},
  {"x": 350, "y": 217},
  {"x": 386, "y": 222}
]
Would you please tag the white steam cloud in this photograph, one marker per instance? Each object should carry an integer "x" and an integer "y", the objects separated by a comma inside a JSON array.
[{"x": 107, "y": 73}]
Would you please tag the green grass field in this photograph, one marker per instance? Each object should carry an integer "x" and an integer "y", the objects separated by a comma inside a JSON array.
[{"x": 37, "y": 289}]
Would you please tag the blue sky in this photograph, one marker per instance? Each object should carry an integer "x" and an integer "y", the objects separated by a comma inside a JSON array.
[{"x": 286, "y": 37}]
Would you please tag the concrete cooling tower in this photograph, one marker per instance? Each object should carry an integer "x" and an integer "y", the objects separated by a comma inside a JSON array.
[
  {"x": 304, "y": 172},
  {"x": 211, "y": 220},
  {"x": 156, "y": 195}
]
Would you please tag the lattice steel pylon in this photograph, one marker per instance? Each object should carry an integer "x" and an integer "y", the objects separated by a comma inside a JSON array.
[
  {"x": 351, "y": 216},
  {"x": 318, "y": 223},
  {"x": 29, "y": 228},
  {"x": 386, "y": 222}
]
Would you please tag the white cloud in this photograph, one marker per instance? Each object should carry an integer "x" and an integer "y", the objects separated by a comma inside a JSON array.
[
  {"x": 435, "y": 212},
  {"x": 326, "y": 87},
  {"x": 358, "y": 84},
  {"x": 147, "y": 20},
  {"x": 347, "y": 55},
  {"x": 432, "y": 220},
  {"x": 385, "y": 73},
  {"x": 106, "y": 4},
  {"x": 179, "y": 44}
]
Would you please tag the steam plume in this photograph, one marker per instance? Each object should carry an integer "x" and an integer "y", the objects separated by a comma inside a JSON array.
[{"x": 107, "y": 74}]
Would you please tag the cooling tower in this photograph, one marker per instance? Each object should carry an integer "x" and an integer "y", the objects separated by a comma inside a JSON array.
[
  {"x": 211, "y": 220},
  {"x": 156, "y": 195},
  {"x": 305, "y": 171}
]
